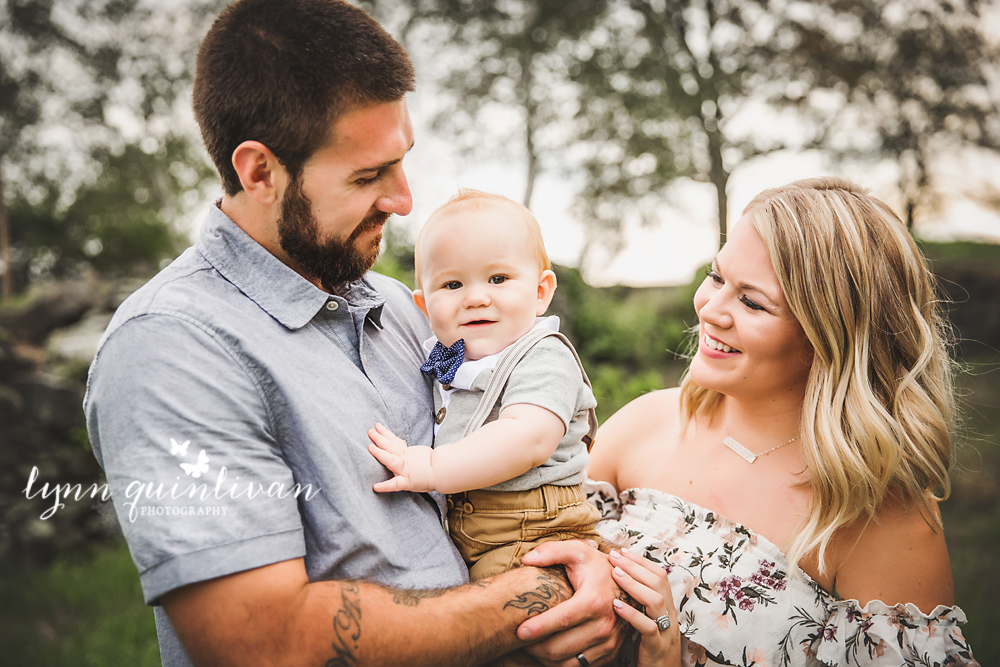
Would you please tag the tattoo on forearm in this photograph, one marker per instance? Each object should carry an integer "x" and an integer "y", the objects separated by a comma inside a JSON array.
[
  {"x": 552, "y": 589},
  {"x": 347, "y": 627},
  {"x": 413, "y": 598}
]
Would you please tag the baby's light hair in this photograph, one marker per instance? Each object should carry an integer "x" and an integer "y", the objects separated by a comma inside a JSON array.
[
  {"x": 475, "y": 200},
  {"x": 878, "y": 414}
]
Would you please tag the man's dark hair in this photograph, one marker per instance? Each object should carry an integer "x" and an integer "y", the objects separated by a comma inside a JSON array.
[{"x": 282, "y": 71}]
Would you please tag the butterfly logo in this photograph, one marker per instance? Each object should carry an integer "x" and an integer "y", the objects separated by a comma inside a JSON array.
[
  {"x": 196, "y": 469},
  {"x": 179, "y": 450}
]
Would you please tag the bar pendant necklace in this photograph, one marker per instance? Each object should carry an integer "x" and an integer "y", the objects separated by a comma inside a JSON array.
[{"x": 745, "y": 453}]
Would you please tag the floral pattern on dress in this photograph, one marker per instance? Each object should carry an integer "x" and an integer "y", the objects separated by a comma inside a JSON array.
[{"x": 738, "y": 603}]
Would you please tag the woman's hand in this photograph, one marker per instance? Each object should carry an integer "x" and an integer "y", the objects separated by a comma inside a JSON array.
[{"x": 647, "y": 583}]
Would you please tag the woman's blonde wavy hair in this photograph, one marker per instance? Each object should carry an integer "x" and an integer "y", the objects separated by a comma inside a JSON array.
[{"x": 878, "y": 411}]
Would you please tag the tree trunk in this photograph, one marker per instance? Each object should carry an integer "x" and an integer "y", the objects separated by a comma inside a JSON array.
[
  {"x": 529, "y": 126},
  {"x": 720, "y": 178},
  {"x": 532, "y": 168},
  {"x": 6, "y": 285}
]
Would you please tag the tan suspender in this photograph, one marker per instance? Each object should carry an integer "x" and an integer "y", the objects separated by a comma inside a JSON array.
[{"x": 505, "y": 365}]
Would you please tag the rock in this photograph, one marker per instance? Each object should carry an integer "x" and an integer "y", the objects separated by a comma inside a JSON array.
[
  {"x": 42, "y": 428},
  {"x": 79, "y": 341},
  {"x": 59, "y": 306}
]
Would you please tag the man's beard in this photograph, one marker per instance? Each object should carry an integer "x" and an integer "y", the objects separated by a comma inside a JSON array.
[{"x": 333, "y": 262}]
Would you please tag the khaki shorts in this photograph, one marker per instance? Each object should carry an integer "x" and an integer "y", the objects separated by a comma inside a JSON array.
[{"x": 494, "y": 529}]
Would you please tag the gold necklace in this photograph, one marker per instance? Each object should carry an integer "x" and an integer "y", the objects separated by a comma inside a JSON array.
[{"x": 742, "y": 451}]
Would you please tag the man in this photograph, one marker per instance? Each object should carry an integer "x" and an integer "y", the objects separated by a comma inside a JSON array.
[{"x": 230, "y": 396}]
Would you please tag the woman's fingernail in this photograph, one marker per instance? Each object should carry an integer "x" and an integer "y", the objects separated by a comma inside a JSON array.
[
  {"x": 618, "y": 603},
  {"x": 627, "y": 551},
  {"x": 592, "y": 543},
  {"x": 620, "y": 572},
  {"x": 523, "y": 634},
  {"x": 614, "y": 554}
]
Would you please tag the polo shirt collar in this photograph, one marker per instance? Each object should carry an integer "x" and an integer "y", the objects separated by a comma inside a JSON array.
[{"x": 270, "y": 283}]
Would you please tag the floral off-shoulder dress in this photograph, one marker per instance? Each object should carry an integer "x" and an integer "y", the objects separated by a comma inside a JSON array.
[{"x": 738, "y": 604}]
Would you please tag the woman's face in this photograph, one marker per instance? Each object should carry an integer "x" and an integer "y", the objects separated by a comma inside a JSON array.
[{"x": 751, "y": 345}]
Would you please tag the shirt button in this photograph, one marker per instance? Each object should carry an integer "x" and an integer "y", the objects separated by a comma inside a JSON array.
[
  {"x": 332, "y": 305},
  {"x": 468, "y": 508},
  {"x": 439, "y": 417}
]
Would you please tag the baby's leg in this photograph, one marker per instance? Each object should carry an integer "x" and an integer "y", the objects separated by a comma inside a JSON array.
[{"x": 493, "y": 530}]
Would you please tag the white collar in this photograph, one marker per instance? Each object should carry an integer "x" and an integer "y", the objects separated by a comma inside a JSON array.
[{"x": 470, "y": 370}]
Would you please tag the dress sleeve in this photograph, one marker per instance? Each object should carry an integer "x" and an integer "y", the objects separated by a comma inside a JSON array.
[
  {"x": 878, "y": 635},
  {"x": 603, "y": 496}
]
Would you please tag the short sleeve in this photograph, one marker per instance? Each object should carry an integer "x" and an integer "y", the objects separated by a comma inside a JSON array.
[
  {"x": 182, "y": 430},
  {"x": 878, "y": 635},
  {"x": 547, "y": 376}
]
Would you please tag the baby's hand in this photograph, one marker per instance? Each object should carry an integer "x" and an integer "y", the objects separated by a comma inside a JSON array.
[
  {"x": 647, "y": 583},
  {"x": 410, "y": 465}
]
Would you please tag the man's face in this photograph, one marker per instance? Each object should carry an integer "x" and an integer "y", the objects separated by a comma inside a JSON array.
[{"x": 332, "y": 215}]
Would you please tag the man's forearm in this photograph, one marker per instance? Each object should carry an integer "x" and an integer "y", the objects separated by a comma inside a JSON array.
[
  {"x": 247, "y": 619},
  {"x": 464, "y": 626}
]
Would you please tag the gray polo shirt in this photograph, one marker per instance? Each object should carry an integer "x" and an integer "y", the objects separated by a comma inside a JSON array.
[{"x": 229, "y": 403}]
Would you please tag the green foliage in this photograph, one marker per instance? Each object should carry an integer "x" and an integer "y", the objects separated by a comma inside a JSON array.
[
  {"x": 396, "y": 260},
  {"x": 85, "y": 612},
  {"x": 614, "y": 386},
  {"x": 961, "y": 252},
  {"x": 79, "y": 82},
  {"x": 630, "y": 340},
  {"x": 972, "y": 514},
  {"x": 119, "y": 224},
  {"x": 633, "y": 328}
]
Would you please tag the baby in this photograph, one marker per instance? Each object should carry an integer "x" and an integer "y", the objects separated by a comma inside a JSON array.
[{"x": 483, "y": 278}]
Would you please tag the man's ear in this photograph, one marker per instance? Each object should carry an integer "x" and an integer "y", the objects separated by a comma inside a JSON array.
[
  {"x": 262, "y": 175},
  {"x": 418, "y": 298},
  {"x": 546, "y": 288}
]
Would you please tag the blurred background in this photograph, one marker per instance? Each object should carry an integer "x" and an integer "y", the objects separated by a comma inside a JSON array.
[{"x": 635, "y": 130}]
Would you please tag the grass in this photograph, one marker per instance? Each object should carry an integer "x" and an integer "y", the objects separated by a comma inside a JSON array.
[
  {"x": 972, "y": 515},
  {"x": 81, "y": 612}
]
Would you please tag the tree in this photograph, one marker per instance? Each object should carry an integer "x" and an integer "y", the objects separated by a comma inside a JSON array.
[
  {"x": 84, "y": 83},
  {"x": 672, "y": 83},
  {"x": 517, "y": 54},
  {"x": 907, "y": 83}
]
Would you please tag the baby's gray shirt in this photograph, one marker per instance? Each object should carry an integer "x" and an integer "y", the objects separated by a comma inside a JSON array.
[{"x": 547, "y": 376}]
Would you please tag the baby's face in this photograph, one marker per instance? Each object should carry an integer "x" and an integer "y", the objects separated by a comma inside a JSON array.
[{"x": 480, "y": 279}]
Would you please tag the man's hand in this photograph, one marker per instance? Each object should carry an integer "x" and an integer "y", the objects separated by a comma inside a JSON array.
[
  {"x": 586, "y": 623},
  {"x": 410, "y": 465}
]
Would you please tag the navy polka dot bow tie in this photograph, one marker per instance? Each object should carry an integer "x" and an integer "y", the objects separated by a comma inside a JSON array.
[{"x": 443, "y": 361}]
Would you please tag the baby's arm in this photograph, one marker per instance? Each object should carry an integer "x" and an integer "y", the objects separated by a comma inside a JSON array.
[{"x": 523, "y": 437}]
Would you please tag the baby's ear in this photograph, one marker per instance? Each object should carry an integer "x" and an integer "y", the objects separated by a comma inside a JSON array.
[
  {"x": 546, "y": 288},
  {"x": 418, "y": 298}
]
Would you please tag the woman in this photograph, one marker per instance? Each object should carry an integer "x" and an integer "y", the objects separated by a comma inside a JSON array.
[{"x": 788, "y": 484}]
